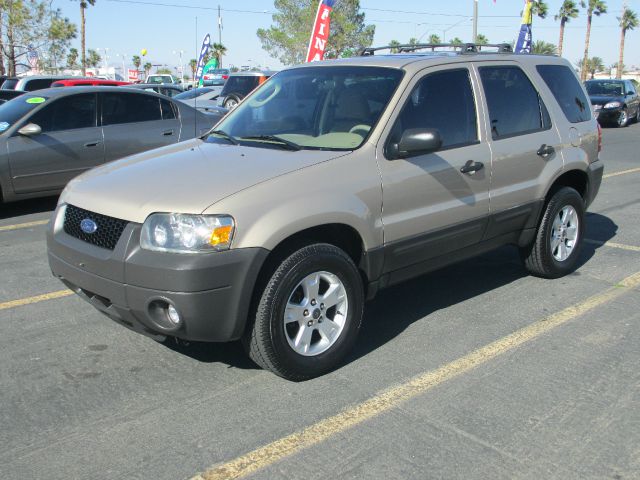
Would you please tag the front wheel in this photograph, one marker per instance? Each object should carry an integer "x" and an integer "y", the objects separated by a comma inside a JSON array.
[
  {"x": 308, "y": 315},
  {"x": 556, "y": 248},
  {"x": 623, "y": 118}
]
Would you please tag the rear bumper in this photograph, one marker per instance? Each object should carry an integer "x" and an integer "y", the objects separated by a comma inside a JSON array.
[
  {"x": 211, "y": 292},
  {"x": 594, "y": 173}
]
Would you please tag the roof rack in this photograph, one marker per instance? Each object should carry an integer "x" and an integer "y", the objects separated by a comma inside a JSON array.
[{"x": 462, "y": 47}]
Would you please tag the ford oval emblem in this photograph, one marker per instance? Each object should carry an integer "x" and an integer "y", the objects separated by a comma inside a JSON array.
[{"x": 88, "y": 226}]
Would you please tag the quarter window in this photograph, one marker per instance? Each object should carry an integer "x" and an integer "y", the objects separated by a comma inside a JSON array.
[
  {"x": 515, "y": 107},
  {"x": 67, "y": 113},
  {"x": 168, "y": 110},
  {"x": 118, "y": 108},
  {"x": 442, "y": 101},
  {"x": 567, "y": 91}
]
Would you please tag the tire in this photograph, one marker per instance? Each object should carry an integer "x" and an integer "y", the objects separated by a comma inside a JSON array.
[
  {"x": 545, "y": 257},
  {"x": 231, "y": 102},
  {"x": 637, "y": 115},
  {"x": 271, "y": 341},
  {"x": 623, "y": 119}
]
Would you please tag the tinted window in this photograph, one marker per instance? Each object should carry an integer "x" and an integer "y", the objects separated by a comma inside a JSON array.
[
  {"x": 12, "y": 111},
  {"x": 168, "y": 111},
  {"x": 567, "y": 91},
  {"x": 32, "y": 85},
  {"x": 129, "y": 108},
  {"x": 241, "y": 84},
  {"x": 605, "y": 87},
  {"x": 515, "y": 108},
  {"x": 67, "y": 113},
  {"x": 10, "y": 84},
  {"x": 442, "y": 101}
]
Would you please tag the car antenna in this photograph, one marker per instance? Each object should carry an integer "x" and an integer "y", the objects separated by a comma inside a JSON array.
[{"x": 195, "y": 100}]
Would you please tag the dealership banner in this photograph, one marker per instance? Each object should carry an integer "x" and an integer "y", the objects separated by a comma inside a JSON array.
[
  {"x": 133, "y": 75},
  {"x": 206, "y": 45},
  {"x": 525, "y": 39},
  {"x": 320, "y": 33}
]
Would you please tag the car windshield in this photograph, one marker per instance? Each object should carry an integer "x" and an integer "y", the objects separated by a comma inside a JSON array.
[
  {"x": 326, "y": 108},
  {"x": 159, "y": 79},
  {"x": 605, "y": 88},
  {"x": 196, "y": 92},
  {"x": 12, "y": 111}
]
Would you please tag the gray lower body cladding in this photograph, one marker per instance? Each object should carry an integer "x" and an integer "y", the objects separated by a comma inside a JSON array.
[{"x": 211, "y": 292}]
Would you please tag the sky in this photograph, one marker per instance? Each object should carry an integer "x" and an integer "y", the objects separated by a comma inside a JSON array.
[{"x": 166, "y": 27}]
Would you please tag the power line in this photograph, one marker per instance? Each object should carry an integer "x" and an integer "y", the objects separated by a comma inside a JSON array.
[{"x": 191, "y": 7}]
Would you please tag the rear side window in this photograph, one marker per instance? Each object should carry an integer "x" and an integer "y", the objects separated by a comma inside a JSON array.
[
  {"x": 442, "y": 101},
  {"x": 515, "y": 107},
  {"x": 67, "y": 113},
  {"x": 168, "y": 110},
  {"x": 567, "y": 91},
  {"x": 241, "y": 84},
  {"x": 118, "y": 108},
  {"x": 10, "y": 84},
  {"x": 32, "y": 85}
]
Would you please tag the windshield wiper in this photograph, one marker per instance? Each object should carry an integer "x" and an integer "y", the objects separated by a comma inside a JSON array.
[
  {"x": 274, "y": 139},
  {"x": 225, "y": 135}
]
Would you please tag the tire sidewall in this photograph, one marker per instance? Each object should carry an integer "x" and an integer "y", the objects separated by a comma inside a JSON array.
[{"x": 350, "y": 278}]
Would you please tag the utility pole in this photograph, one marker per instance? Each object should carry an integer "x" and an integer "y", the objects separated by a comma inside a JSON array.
[
  {"x": 475, "y": 21},
  {"x": 219, "y": 26}
]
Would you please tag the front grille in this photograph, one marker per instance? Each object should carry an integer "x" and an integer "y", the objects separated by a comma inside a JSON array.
[{"x": 106, "y": 235}]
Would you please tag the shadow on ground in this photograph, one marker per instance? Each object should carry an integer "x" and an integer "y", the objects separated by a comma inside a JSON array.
[{"x": 28, "y": 207}]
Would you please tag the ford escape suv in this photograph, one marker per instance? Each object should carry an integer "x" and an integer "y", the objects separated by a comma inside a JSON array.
[{"x": 332, "y": 181}]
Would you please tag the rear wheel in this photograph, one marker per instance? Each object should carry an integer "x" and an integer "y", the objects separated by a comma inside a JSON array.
[
  {"x": 556, "y": 248},
  {"x": 231, "y": 102},
  {"x": 308, "y": 315}
]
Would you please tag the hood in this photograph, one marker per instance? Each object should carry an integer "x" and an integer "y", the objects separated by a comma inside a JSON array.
[
  {"x": 604, "y": 99},
  {"x": 184, "y": 178}
]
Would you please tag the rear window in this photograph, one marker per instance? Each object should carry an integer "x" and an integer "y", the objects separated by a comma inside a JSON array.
[
  {"x": 10, "y": 84},
  {"x": 567, "y": 91},
  {"x": 241, "y": 84},
  {"x": 39, "y": 84}
]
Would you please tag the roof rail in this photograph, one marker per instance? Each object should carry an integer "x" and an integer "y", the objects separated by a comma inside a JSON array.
[{"x": 462, "y": 47}]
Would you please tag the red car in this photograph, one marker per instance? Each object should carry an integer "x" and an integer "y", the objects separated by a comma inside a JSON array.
[{"x": 85, "y": 82}]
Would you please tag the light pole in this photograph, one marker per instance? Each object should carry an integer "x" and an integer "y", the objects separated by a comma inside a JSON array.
[
  {"x": 475, "y": 21},
  {"x": 124, "y": 69},
  {"x": 181, "y": 52}
]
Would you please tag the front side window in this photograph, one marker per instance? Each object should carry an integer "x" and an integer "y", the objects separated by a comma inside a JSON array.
[
  {"x": 567, "y": 91},
  {"x": 168, "y": 110},
  {"x": 515, "y": 107},
  {"x": 330, "y": 108},
  {"x": 118, "y": 108},
  {"x": 67, "y": 113},
  {"x": 442, "y": 101}
]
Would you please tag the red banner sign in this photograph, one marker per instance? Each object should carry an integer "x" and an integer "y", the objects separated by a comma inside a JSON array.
[
  {"x": 133, "y": 75},
  {"x": 320, "y": 33}
]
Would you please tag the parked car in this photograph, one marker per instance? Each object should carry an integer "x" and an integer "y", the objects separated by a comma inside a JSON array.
[
  {"x": 49, "y": 137},
  {"x": 216, "y": 74},
  {"x": 162, "y": 89},
  {"x": 162, "y": 79},
  {"x": 31, "y": 83},
  {"x": 615, "y": 102},
  {"x": 86, "y": 82},
  {"x": 204, "y": 99},
  {"x": 6, "y": 95},
  {"x": 271, "y": 229},
  {"x": 239, "y": 85}
]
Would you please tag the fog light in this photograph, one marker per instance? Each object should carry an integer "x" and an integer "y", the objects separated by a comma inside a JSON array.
[{"x": 173, "y": 315}]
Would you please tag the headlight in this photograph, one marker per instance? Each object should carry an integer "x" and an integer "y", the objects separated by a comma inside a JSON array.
[
  {"x": 613, "y": 105},
  {"x": 181, "y": 233}
]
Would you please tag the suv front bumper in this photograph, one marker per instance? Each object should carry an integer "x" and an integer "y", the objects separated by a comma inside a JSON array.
[{"x": 211, "y": 292}]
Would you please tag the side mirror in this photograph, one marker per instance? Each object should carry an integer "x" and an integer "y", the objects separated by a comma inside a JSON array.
[
  {"x": 30, "y": 130},
  {"x": 416, "y": 141},
  {"x": 630, "y": 94}
]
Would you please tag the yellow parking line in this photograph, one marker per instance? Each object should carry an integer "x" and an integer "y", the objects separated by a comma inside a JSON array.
[
  {"x": 621, "y": 246},
  {"x": 623, "y": 172},
  {"x": 37, "y": 299},
  {"x": 20, "y": 226},
  {"x": 382, "y": 402}
]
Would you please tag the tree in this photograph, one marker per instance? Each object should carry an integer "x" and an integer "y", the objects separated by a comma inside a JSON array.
[
  {"x": 147, "y": 68},
  {"x": 394, "y": 44},
  {"x": 93, "y": 59},
  {"x": 481, "y": 39},
  {"x": 27, "y": 26},
  {"x": 84, "y": 4},
  {"x": 193, "y": 64},
  {"x": 456, "y": 41},
  {"x": 597, "y": 8},
  {"x": 218, "y": 50},
  {"x": 413, "y": 41},
  {"x": 72, "y": 58},
  {"x": 137, "y": 61},
  {"x": 540, "y": 9},
  {"x": 628, "y": 21},
  {"x": 591, "y": 66},
  {"x": 61, "y": 32},
  {"x": 568, "y": 10},
  {"x": 543, "y": 48},
  {"x": 287, "y": 39}
]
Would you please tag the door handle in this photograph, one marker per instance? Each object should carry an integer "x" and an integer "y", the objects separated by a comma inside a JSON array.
[
  {"x": 167, "y": 133},
  {"x": 472, "y": 167},
  {"x": 92, "y": 144},
  {"x": 546, "y": 150}
]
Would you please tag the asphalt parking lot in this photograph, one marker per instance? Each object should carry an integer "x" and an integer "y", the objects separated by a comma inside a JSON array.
[{"x": 477, "y": 371}]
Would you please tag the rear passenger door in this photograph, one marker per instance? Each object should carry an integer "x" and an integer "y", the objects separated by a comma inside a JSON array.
[
  {"x": 430, "y": 207},
  {"x": 134, "y": 123},
  {"x": 525, "y": 147}
]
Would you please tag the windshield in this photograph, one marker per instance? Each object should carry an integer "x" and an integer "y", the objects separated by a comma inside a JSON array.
[
  {"x": 160, "y": 79},
  {"x": 241, "y": 84},
  {"x": 12, "y": 111},
  {"x": 605, "y": 88},
  {"x": 189, "y": 94},
  {"x": 329, "y": 108}
]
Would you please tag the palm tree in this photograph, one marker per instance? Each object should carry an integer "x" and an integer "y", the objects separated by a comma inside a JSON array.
[
  {"x": 137, "y": 61},
  {"x": 597, "y": 8},
  {"x": 456, "y": 41},
  {"x": 543, "y": 48},
  {"x": 193, "y": 65},
  {"x": 628, "y": 21},
  {"x": 84, "y": 4},
  {"x": 568, "y": 10},
  {"x": 591, "y": 66},
  {"x": 413, "y": 41},
  {"x": 218, "y": 51},
  {"x": 434, "y": 39},
  {"x": 394, "y": 44},
  {"x": 482, "y": 39},
  {"x": 540, "y": 9},
  {"x": 147, "y": 69}
]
